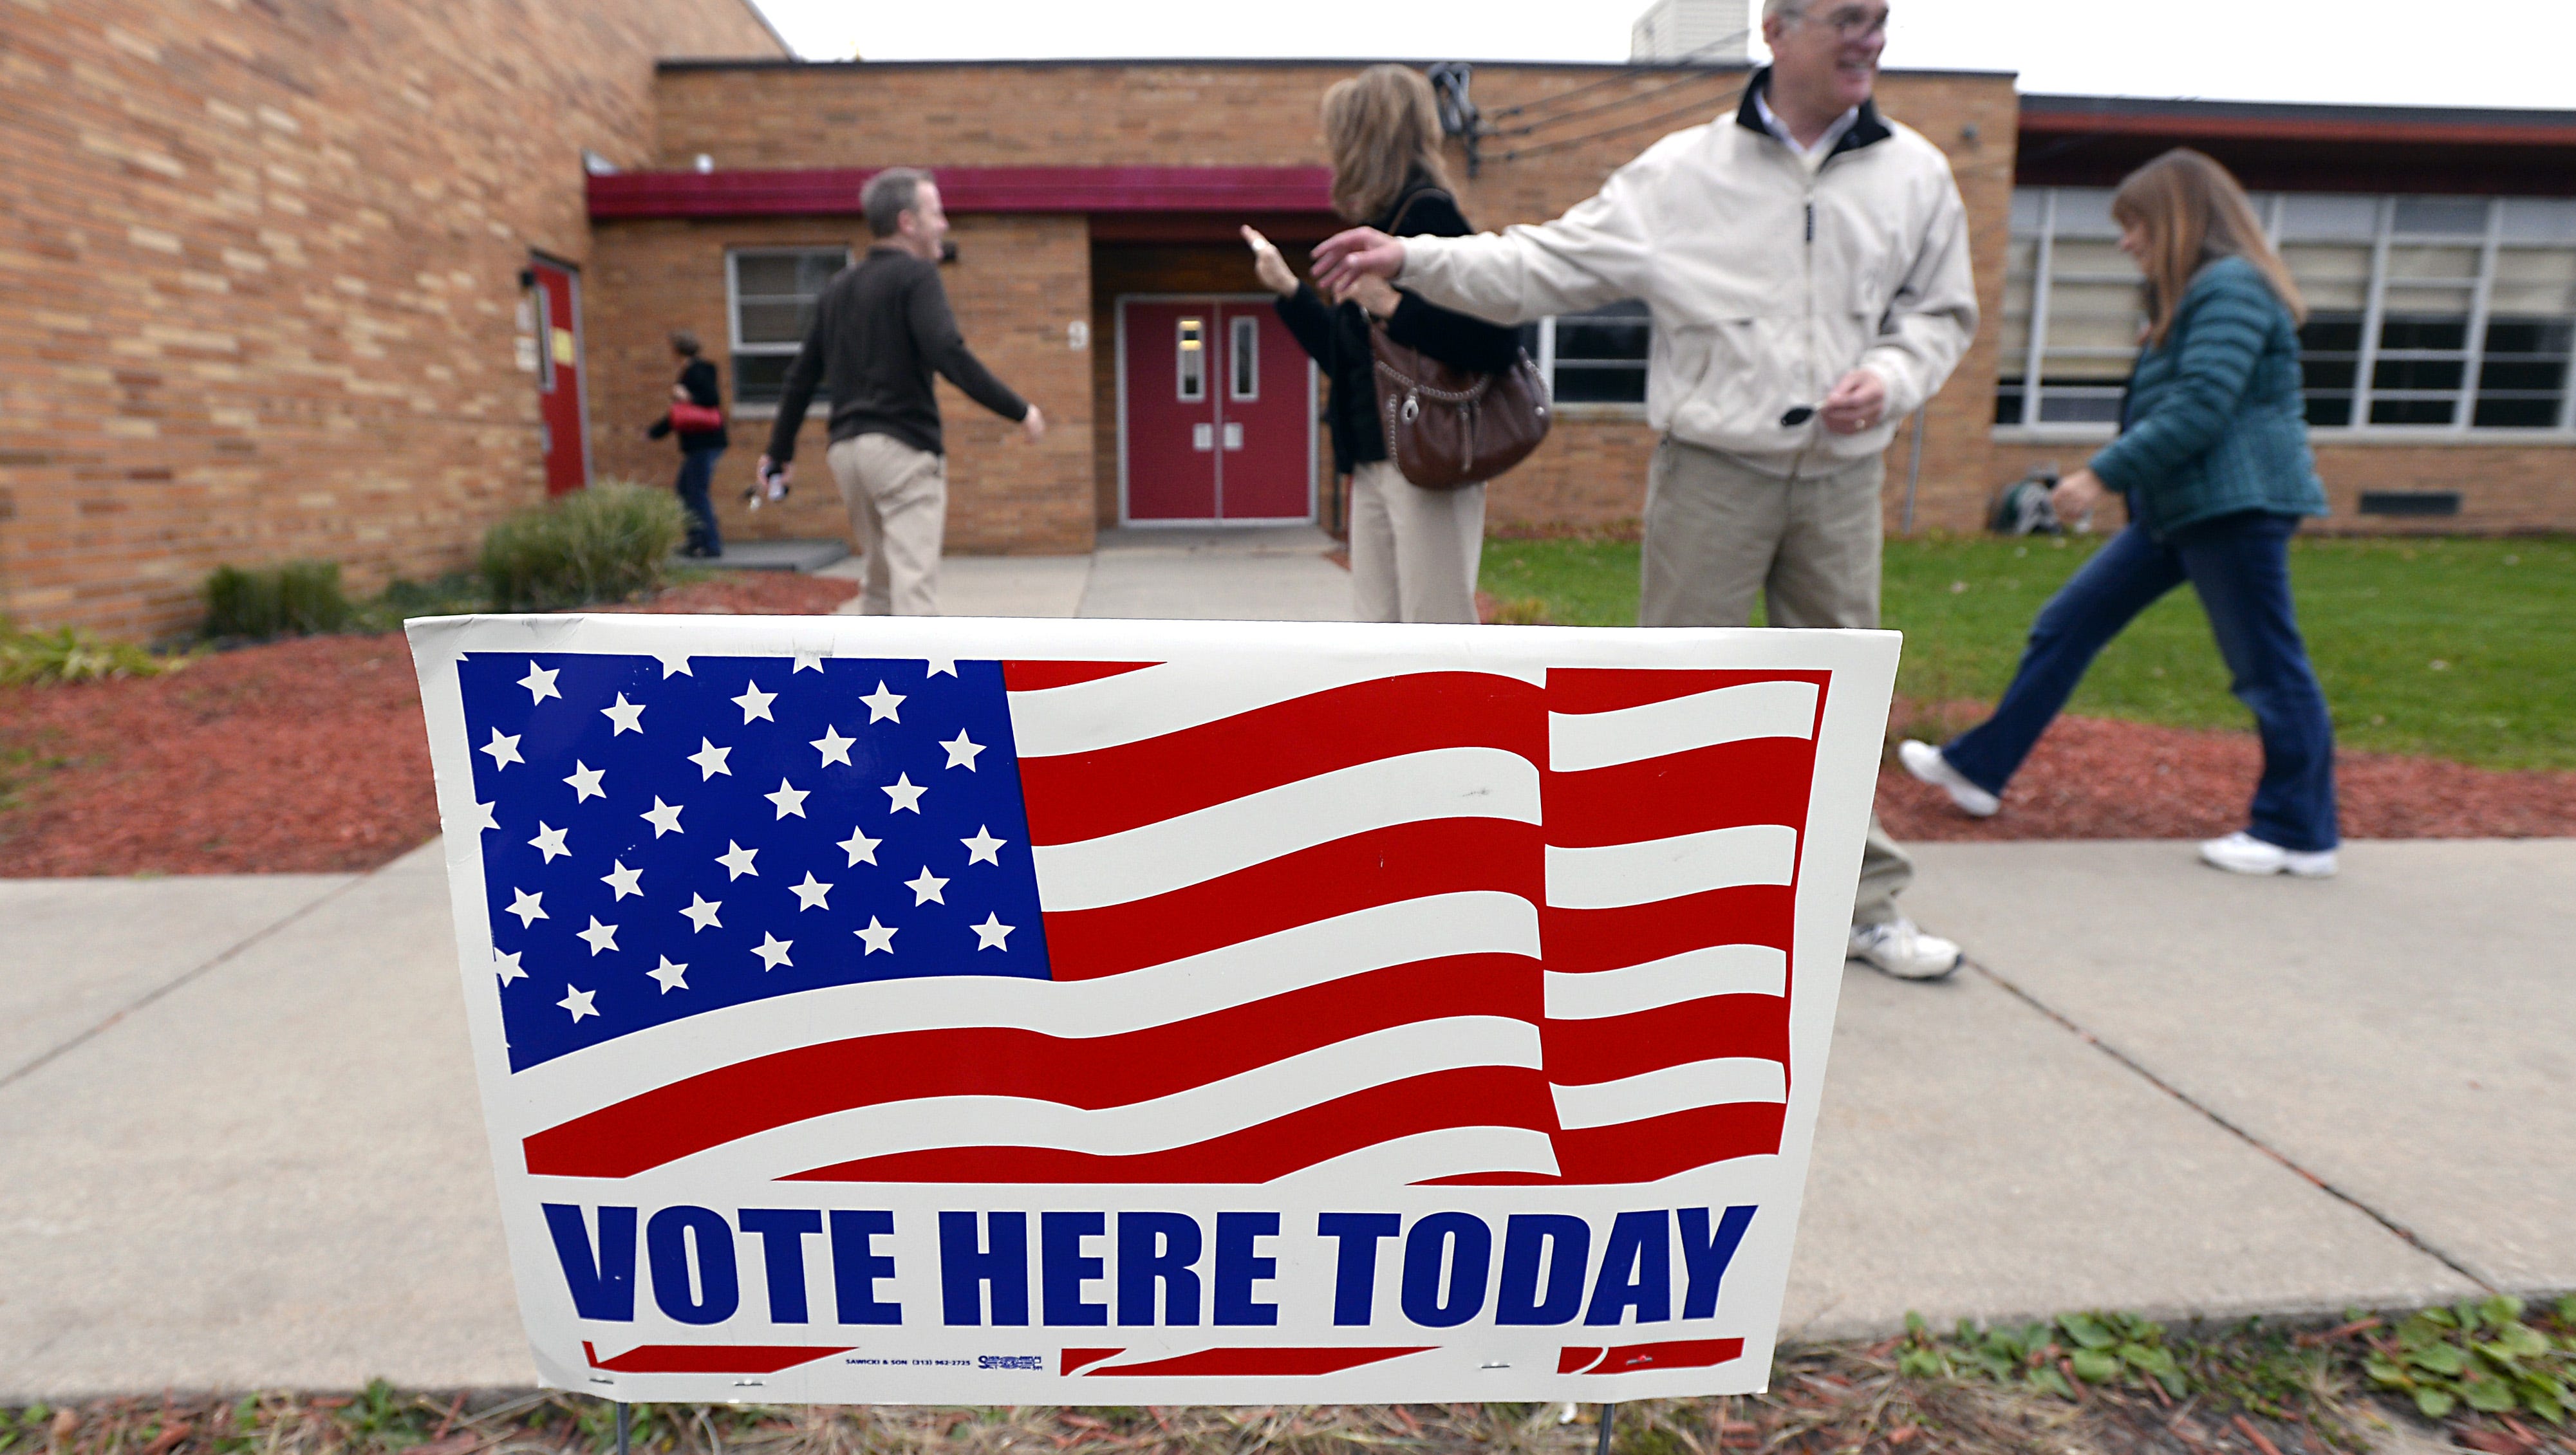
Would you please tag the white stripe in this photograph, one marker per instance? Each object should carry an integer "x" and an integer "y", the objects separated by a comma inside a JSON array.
[
  {"x": 1148, "y": 703},
  {"x": 1178, "y": 1120},
  {"x": 1690, "y": 975},
  {"x": 1577, "y": 741},
  {"x": 1190, "y": 848},
  {"x": 1720, "y": 1082},
  {"x": 1641, "y": 873},
  {"x": 1448, "y": 1152},
  {"x": 1311, "y": 954}
]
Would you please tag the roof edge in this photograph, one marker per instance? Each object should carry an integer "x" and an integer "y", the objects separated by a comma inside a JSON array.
[
  {"x": 785, "y": 50},
  {"x": 722, "y": 63},
  {"x": 2047, "y": 105}
]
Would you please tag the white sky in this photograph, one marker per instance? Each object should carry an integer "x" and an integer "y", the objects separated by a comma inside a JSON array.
[{"x": 2518, "y": 53}]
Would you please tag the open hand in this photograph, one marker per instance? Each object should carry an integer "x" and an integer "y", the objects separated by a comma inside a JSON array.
[
  {"x": 1346, "y": 255},
  {"x": 1271, "y": 268},
  {"x": 1858, "y": 402},
  {"x": 1033, "y": 424}
]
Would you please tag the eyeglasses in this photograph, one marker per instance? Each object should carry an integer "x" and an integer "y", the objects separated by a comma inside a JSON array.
[{"x": 1851, "y": 22}]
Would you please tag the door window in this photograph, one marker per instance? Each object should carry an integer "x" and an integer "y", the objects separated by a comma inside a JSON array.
[
  {"x": 1243, "y": 359},
  {"x": 1192, "y": 369}
]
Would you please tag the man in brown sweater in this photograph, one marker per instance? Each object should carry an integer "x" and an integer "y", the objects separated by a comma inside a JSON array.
[{"x": 881, "y": 329}]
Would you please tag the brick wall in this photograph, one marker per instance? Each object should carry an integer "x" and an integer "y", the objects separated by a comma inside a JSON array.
[
  {"x": 2503, "y": 488},
  {"x": 1591, "y": 473},
  {"x": 258, "y": 275},
  {"x": 1017, "y": 282}
]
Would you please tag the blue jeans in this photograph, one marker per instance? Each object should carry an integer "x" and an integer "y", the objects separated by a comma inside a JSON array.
[
  {"x": 697, "y": 472},
  {"x": 2240, "y": 565}
]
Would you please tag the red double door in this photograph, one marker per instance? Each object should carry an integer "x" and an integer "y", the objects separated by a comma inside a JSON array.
[{"x": 1218, "y": 412}]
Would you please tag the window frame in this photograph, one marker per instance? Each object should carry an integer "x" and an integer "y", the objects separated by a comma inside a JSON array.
[
  {"x": 1543, "y": 353},
  {"x": 735, "y": 348},
  {"x": 2489, "y": 243}
]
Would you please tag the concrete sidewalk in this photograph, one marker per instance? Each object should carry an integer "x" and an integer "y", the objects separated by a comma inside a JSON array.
[
  {"x": 241, "y": 1146},
  {"x": 1259, "y": 573},
  {"x": 240, "y": 1143}
]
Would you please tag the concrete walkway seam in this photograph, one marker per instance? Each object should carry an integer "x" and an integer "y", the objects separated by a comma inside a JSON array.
[
  {"x": 2404, "y": 1233},
  {"x": 20, "y": 1073}
]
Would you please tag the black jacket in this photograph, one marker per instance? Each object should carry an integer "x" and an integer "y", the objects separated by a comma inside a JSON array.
[
  {"x": 880, "y": 329},
  {"x": 698, "y": 376},
  {"x": 1338, "y": 336}
]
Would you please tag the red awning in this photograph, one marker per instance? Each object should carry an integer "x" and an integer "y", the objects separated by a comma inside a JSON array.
[{"x": 835, "y": 191}]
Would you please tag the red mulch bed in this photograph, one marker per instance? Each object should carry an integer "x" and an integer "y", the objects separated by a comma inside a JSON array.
[
  {"x": 309, "y": 755},
  {"x": 2094, "y": 778},
  {"x": 295, "y": 756}
]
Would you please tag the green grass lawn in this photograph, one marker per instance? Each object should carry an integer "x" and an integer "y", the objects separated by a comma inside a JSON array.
[{"x": 2460, "y": 649}]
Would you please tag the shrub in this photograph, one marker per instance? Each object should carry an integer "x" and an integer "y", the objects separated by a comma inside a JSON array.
[
  {"x": 455, "y": 594},
  {"x": 602, "y": 544},
  {"x": 67, "y": 655},
  {"x": 297, "y": 597}
]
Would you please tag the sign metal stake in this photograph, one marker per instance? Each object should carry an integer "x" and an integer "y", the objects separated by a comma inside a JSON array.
[
  {"x": 1609, "y": 1416},
  {"x": 625, "y": 1426}
]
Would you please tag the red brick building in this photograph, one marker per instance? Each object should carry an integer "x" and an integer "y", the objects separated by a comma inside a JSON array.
[
  {"x": 260, "y": 275},
  {"x": 282, "y": 284}
]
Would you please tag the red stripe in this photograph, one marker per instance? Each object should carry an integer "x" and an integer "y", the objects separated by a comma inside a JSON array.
[
  {"x": 1486, "y": 1096},
  {"x": 1077, "y": 796},
  {"x": 1672, "y": 1354},
  {"x": 709, "y": 1358},
  {"x": 1261, "y": 1361},
  {"x": 1609, "y": 689},
  {"x": 753, "y": 1096},
  {"x": 1382, "y": 866},
  {"x": 1759, "y": 781},
  {"x": 1658, "y": 1147},
  {"x": 1648, "y": 1150},
  {"x": 1072, "y": 1359},
  {"x": 1039, "y": 676},
  {"x": 1584, "y": 1052},
  {"x": 1578, "y": 940}
]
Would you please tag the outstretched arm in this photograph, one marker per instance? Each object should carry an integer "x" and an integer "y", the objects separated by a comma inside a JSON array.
[{"x": 1596, "y": 253}]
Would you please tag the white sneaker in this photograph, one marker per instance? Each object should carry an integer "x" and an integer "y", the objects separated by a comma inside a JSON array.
[
  {"x": 1901, "y": 950},
  {"x": 2242, "y": 853},
  {"x": 1924, "y": 761}
]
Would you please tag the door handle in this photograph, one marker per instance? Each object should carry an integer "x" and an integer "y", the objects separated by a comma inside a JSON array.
[
  {"x": 1202, "y": 436},
  {"x": 1234, "y": 436}
]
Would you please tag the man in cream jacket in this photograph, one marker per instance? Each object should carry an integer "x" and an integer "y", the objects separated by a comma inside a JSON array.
[{"x": 1806, "y": 262}]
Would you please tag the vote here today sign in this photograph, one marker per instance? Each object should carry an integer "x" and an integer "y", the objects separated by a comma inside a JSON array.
[{"x": 1066, "y": 1012}]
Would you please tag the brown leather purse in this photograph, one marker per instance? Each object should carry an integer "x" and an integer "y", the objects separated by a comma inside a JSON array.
[{"x": 1448, "y": 428}]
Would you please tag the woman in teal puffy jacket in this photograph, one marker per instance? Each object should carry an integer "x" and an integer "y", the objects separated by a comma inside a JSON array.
[{"x": 2213, "y": 461}]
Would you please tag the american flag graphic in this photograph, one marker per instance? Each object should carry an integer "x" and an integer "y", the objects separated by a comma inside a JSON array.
[{"x": 897, "y": 920}]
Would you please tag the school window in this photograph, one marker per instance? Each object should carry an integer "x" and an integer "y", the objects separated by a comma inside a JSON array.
[
  {"x": 2426, "y": 314},
  {"x": 772, "y": 292},
  {"x": 1593, "y": 358}
]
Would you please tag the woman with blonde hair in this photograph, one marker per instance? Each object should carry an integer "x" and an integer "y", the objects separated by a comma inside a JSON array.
[
  {"x": 1414, "y": 552},
  {"x": 2213, "y": 461}
]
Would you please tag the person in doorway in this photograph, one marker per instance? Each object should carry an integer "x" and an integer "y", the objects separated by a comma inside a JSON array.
[
  {"x": 1414, "y": 552},
  {"x": 1806, "y": 265},
  {"x": 2213, "y": 461},
  {"x": 699, "y": 448},
  {"x": 881, "y": 329}
]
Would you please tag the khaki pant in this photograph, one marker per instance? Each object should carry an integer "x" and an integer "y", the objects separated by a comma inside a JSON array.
[
  {"x": 1414, "y": 552},
  {"x": 1717, "y": 532},
  {"x": 897, "y": 498}
]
